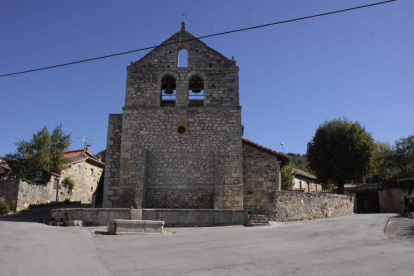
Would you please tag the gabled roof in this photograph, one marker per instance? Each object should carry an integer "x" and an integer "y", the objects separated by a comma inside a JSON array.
[
  {"x": 182, "y": 37},
  {"x": 284, "y": 158},
  {"x": 304, "y": 174},
  {"x": 79, "y": 155}
]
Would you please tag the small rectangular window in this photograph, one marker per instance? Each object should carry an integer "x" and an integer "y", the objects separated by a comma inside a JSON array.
[
  {"x": 79, "y": 169},
  {"x": 91, "y": 172}
]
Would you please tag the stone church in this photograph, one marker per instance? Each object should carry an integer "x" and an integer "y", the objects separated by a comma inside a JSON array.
[{"x": 178, "y": 143}]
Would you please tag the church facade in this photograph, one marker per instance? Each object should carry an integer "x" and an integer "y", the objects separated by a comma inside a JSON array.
[{"x": 178, "y": 143}]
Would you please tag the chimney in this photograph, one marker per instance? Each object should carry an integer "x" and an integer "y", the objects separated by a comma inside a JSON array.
[{"x": 88, "y": 148}]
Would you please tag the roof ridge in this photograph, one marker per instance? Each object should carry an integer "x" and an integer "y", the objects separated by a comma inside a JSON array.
[
  {"x": 287, "y": 157},
  {"x": 180, "y": 32},
  {"x": 73, "y": 150}
]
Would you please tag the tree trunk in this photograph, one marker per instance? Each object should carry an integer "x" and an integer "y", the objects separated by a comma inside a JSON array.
[{"x": 340, "y": 189}]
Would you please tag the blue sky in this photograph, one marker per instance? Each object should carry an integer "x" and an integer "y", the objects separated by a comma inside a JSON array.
[{"x": 293, "y": 77}]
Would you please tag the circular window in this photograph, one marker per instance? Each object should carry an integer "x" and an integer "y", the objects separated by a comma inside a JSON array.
[{"x": 181, "y": 129}]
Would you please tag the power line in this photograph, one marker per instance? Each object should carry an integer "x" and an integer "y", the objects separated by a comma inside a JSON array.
[{"x": 201, "y": 37}]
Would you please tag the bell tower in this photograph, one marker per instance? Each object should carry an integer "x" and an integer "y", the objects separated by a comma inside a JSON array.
[{"x": 177, "y": 143}]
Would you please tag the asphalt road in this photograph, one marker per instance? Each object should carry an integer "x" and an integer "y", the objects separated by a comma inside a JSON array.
[{"x": 352, "y": 245}]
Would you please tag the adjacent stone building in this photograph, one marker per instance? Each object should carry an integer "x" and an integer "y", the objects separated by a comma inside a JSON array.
[
  {"x": 178, "y": 142},
  {"x": 80, "y": 178},
  {"x": 306, "y": 182},
  {"x": 76, "y": 182}
]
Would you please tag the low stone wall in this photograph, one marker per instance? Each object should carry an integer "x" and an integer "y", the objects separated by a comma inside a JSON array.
[
  {"x": 296, "y": 206},
  {"x": 196, "y": 217},
  {"x": 93, "y": 216},
  {"x": 171, "y": 217},
  {"x": 24, "y": 193},
  {"x": 33, "y": 194}
]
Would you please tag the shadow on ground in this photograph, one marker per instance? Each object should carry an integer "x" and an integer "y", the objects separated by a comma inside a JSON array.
[
  {"x": 38, "y": 214},
  {"x": 400, "y": 227}
]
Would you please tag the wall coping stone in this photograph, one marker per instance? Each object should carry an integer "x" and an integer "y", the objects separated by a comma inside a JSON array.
[
  {"x": 193, "y": 210},
  {"x": 313, "y": 194}
]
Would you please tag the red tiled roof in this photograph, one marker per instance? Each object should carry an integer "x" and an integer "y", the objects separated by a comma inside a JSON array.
[
  {"x": 282, "y": 156},
  {"x": 79, "y": 155}
]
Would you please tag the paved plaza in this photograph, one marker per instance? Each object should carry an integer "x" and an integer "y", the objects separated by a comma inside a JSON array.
[{"x": 351, "y": 245}]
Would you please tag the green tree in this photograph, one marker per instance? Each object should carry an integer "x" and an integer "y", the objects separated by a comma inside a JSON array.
[
  {"x": 382, "y": 168},
  {"x": 404, "y": 156},
  {"x": 101, "y": 155},
  {"x": 34, "y": 160},
  {"x": 287, "y": 175},
  {"x": 340, "y": 152}
]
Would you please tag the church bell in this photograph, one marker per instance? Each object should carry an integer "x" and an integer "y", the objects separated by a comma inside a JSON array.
[
  {"x": 168, "y": 89},
  {"x": 196, "y": 87}
]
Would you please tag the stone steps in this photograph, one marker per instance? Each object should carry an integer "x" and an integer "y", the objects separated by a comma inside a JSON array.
[{"x": 257, "y": 220}]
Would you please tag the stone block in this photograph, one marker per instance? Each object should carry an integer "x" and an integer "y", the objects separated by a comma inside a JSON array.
[
  {"x": 74, "y": 223},
  {"x": 133, "y": 227},
  {"x": 136, "y": 214}
]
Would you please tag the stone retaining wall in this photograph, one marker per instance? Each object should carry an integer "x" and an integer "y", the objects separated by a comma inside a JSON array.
[
  {"x": 171, "y": 217},
  {"x": 296, "y": 206}
]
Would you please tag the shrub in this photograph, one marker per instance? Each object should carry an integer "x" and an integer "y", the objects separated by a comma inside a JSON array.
[
  {"x": 409, "y": 203},
  {"x": 4, "y": 207},
  {"x": 288, "y": 175},
  {"x": 12, "y": 205},
  {"x": 69, "y": 183}
]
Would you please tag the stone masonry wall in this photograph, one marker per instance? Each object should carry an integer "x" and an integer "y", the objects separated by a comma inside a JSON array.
[
  {"x": 171, "y": 217},
  {"x": 181, "y": 162},
  {"x": 296, "y": 206},
  {"x": 33, "y": 194},
  {"x": 233, "y": 196},
  {"x": 260, "y": 172},
  {"x": 220, "y": 74},
  {"x": 9, "y": 189},
  {"x": 26, "y": 194},
  {"x": 180, "y": 198}
]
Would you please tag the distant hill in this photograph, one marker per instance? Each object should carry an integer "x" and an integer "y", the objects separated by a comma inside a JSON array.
[{"x": 299, "y": 161}]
